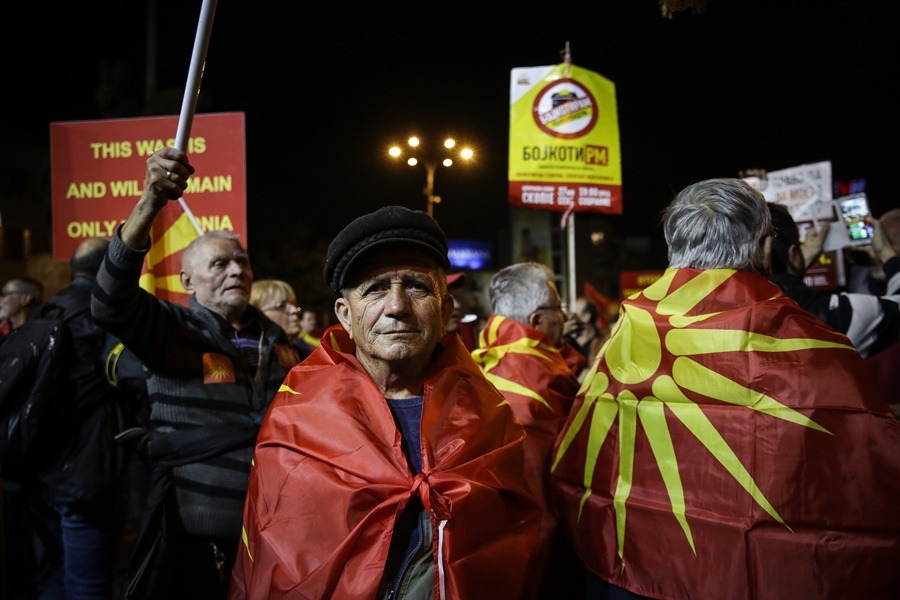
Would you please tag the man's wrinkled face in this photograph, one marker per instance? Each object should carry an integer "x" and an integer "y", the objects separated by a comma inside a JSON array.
[
  {"x": 396, "y": 309},
  {"x": 219, "y": 275}
]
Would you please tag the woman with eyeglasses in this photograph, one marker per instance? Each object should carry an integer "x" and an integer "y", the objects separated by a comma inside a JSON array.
[{"x": 277, "y": 300}]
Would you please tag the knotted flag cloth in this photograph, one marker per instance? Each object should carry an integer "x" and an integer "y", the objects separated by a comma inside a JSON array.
[
  {"x": 728, "y": 444},
  {"x": 330, "y": 478}
]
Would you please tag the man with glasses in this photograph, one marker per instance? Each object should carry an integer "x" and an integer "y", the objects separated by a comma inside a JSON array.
[
  {"x": 522, "y": 352},
  {"x": 19, "y": 299}
]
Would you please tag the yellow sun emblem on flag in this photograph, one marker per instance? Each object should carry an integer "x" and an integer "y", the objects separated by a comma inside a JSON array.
[
  {"x": 634, "y": 354},
  {"x": 217, "y": 368},
  {"x": 489, "y": 355}
]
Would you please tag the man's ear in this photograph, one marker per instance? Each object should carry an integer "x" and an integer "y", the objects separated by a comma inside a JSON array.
[
  {"x": 534, "y": 319},
  {"x": 186, "y": 283},
  {"x": 342, "y": 312},
  {"x": 447, "y": 309}
]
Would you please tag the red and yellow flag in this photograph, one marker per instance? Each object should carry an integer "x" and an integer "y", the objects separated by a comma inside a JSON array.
[
  {"x": 606, "y": 308},
  {"x": 539, "y": 385},
  {"x": 728, "y": 444},
  {"x": 173, "y": 229},
  {"x": 329, "y": 480}
]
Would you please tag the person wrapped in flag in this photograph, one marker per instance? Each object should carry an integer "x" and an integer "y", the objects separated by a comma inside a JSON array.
[
  {"x": 519, "y": 352},
  {"x": 726, "y": 443},
  {"x": 387, "y": 465}
]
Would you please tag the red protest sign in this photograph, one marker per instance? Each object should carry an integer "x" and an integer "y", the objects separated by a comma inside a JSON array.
[{"x": 97, "y": 171}]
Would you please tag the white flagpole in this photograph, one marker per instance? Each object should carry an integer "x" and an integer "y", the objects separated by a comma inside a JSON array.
[{"x": 192, "y": 88}]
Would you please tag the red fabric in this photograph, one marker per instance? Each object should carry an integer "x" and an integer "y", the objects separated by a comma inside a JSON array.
[
  {"x": 606, "y": 308},
  {"x": 514, "y": 356},
  {"x": 329, "y": 478},
  {"x": 736, "y": 467},
  {"x": 574, "y": 359}
]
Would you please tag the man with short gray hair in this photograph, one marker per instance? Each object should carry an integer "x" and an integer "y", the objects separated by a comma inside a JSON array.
[
  {"x": 727, "y": 443},
  {"x": 215, "y": 366}
]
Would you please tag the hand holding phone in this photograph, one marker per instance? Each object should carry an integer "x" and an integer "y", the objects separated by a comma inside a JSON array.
[{"x": 857, "y": 218}]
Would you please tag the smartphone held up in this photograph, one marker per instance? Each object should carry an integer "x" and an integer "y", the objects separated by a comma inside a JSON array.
[{"x": 856, "y": 218}]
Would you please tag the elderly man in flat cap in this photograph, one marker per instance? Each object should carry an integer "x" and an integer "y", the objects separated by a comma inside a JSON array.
[{"x": 388, "y": 466}]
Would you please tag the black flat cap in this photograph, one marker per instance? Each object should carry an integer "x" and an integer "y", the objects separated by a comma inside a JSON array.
[{"x": 387, "y": 227}]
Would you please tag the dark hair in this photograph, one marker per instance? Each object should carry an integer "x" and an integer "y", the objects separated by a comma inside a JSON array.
[
  {"x": 784, "y": 235},
  {"x": 88, "y": 256}
]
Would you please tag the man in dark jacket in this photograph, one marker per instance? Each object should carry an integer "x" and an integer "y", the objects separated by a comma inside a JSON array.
[
  {"x": 214, "y": 368},
  {"x": 81, "y": 482}
]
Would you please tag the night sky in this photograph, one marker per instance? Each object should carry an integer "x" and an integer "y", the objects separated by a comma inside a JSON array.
[{"x": 744, "y": 84}]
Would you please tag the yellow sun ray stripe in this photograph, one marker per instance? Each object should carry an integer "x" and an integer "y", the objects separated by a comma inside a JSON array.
[
  {"x": 333, "y": 343},
  {"x": 505, "y": 385},
  {"x": 175, "y": 239},
  {"x": 653, "y": 419},
  {"x": 627, "y": 432},
  {"x": 147, "y": 283},
  {"x": 686, "y": 342},
  {"x": 605, "y": 411},
  {"x": 171, "y": 283},
  {"x": 697, "y": 378},
  {"x": 490, "y": 332},
  {"x": 696, "y": 421},
  {"x": 660, "y": 287},
  {"x": 685, "y": 298},
  {"x": 491, "y": 357},
  {"x": 598, "y": 387},
  {"x": 288, "y": 389},
  {"x": 246, "y": 542}
]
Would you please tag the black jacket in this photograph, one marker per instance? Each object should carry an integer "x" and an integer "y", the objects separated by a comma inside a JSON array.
[{"x": 91, "y": 463}]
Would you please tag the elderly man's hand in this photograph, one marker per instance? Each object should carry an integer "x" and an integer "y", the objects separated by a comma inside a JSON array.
[{"x": 167, "y": 175}]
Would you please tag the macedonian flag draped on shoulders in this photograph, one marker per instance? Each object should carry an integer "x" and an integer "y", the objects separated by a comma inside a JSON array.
[
  {"x": 728, "y": 444},
  {"x": 539, "y": 385},
  {"x": 330, "y": 478}
]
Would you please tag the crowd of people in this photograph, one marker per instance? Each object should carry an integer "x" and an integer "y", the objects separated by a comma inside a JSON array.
[{"x": 730, "y": 435}]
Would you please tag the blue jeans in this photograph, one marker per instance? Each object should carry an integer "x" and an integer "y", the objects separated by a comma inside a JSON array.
[{"x": 78, "y": 543}]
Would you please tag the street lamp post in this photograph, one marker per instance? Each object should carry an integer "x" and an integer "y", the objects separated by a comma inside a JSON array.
[{"x": 417, "y": 155}]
